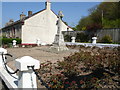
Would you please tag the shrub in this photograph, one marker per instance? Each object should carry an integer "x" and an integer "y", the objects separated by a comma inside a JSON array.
[
  {"x": 106, "y": 39},
  {"x": 81, "y": 37},
  {"x": 9, "y": 40},
  {"x": 67, "y": 38},
  {"x": 96, "y": 68}
]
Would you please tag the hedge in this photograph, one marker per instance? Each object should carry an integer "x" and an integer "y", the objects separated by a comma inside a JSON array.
[
  {"x": 81, "y": 37},
  {"x": 67, "y": 38},
  {"x": 9, "y": 40}
]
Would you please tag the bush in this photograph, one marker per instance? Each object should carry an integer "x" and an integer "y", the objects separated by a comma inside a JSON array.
[
  {"x": 96, "y": 68},
  {"x": 67, "y": 38},
  {"x": 9, "y": 40},
  {"x": 106, "y": 39},
  {"x": 81, "y": 37}
]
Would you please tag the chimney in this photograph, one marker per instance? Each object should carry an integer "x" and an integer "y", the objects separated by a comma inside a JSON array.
[
  {"x": 29, "y": 13},
  {"x": 48, "y": 5},
  {"x": 22, "y": 16},
  {"x": 11, "y": 20}
]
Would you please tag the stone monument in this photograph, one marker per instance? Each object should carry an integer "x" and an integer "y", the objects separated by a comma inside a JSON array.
[{"x": 59, "y": 44}]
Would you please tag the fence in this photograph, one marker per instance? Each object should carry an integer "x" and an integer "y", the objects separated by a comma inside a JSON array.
[
  {"x": 114, "y": 33},
  {"x": 26, "y": 71}
]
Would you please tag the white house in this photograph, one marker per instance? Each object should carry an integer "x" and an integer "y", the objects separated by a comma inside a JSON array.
[{"x": 41, "y": 25}]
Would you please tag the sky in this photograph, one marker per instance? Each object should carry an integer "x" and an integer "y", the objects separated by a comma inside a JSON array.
[{"x": 73, "y": 11}]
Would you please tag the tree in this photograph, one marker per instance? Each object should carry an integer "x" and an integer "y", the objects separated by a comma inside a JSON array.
[
  {"x": 84, "y": 22},
  {"x": 105, "y": 15}
]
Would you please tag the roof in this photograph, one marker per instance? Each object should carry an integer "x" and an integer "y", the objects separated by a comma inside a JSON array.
[{"x": 22, "y": 21}]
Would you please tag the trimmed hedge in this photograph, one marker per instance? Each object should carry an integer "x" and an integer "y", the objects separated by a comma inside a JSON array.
[{"x": 9, "y": 40}]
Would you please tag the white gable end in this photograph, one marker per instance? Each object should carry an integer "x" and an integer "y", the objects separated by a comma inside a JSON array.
[{"x": 41, "y": 26}]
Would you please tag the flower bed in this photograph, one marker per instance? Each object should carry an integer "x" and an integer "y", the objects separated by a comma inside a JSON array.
[{"x": 88, "y": 68}]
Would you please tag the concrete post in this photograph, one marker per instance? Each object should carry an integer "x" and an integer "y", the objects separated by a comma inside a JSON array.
[
  {"x": 38, "y": 42},
  {"x": 27, "y": 78},
  {"x": 14, "y": 43},
  {"x": 73, "y": 39},
  {"x": 4, "y": 51},
  {"x": 94, "y": 40}
]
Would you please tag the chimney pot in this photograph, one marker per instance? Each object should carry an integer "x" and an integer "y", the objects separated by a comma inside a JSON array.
[
  {"x": 22, "y": 16},
  {"x": 29, "y": 13}
]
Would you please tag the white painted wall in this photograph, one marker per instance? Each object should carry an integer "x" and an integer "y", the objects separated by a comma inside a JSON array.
[{"x": 41, "y": 26}]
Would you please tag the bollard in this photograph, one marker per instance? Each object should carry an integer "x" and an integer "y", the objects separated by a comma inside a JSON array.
[
  {"x": 94, "y": 40},
  {"x": 4, "y": 51},
  {"x": 73, "y": 39},
  {"x": 27, "y": 77},
  {"x": 14, "y": 43},
  {"x": 38, "y": 42}
]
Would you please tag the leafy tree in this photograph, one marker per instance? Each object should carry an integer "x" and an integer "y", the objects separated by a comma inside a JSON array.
[
  {"x": 84, "y": 22},
  {"x": 105, "y": 15}
]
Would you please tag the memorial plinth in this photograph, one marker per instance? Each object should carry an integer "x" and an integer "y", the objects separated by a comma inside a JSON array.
[{"x": 59, "y": 44}]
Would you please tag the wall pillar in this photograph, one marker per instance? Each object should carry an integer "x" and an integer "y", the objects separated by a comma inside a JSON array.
[{"x": 27, "y": 77}]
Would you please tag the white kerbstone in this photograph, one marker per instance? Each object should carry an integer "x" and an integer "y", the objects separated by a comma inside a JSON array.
[{"x": 43, "y": 44}]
